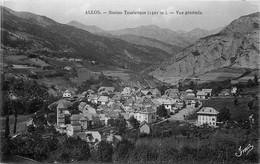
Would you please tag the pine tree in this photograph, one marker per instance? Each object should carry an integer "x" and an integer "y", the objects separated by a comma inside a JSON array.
[
  {"x": 224, "y": 114},
  {"x": 133, "y": 122},
  {"x": 162, "y": 111}
]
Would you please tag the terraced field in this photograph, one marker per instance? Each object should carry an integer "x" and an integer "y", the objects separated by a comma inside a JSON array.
[{"x": 221, "y": 75}]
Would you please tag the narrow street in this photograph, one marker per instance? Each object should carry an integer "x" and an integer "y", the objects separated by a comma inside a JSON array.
[{"x": 186, "y": 111}]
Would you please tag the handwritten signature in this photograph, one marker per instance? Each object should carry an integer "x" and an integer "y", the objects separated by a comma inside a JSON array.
[{"x": 245, "y": 150}]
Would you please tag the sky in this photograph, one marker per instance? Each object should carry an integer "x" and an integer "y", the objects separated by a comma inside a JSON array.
[{"x": 214, "y": 13}]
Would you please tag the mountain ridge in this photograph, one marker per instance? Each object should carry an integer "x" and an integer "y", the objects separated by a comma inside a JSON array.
[
  {"x": 175, "y": 38},
  {"x": 237, "y": 46},
  {"x": 39, "y": 34}
]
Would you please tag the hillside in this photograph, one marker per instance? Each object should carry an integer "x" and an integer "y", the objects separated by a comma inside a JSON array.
[
  {"x": 199, "y": 33},
  {"x": 153, "y": 36},
  {"x": 155, "y": 32},
  {"x": 36, "y": 47},
  {"x": 131, "y": 38},
  {"x": 236, "y": 46},
  {"x": 25, "y": 33},
  {"x": 145, "y": 41},
  {"x": 92, "y": 29},
  {"x": 177, "y": 38}
]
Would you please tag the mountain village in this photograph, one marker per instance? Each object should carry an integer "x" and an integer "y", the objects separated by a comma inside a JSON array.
[{"x": 97, "y": 111}]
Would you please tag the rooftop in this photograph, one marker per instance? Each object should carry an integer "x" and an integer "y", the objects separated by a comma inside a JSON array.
[
  {"x": 208, "y": 110},
  {"x": 201, "y": 93}
]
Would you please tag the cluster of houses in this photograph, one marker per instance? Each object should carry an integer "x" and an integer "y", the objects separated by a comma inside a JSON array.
[
  {"x": 93, "y": 110},
  {"x": 228, "y": 92}
]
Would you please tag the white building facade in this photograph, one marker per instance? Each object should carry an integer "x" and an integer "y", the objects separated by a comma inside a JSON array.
[{"x": 207, "y": 115}]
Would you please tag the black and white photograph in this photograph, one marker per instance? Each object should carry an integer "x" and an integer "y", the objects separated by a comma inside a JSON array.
[{"x": 130, "y": 81}]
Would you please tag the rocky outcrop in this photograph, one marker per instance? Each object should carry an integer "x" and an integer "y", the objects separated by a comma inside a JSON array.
[{"x": 237, "y": 45}]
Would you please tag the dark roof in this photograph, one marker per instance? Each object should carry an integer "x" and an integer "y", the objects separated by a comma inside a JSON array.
[
  {"x": 115, "y": 106},
  {"x": 208, "y": 110},
  {"x": 113, "y": 114},
  {"x": 63, "y": 104}
]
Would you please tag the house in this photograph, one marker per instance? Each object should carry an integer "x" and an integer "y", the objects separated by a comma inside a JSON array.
[
  {"x": 91, "y": 91},
  {"x": 90, "y": 109},
  {"x": 126, "y": 115},
  {"x": 113, "y": 139},
  {"x": 151, "y": 92},
  {"x": 93, "y": 99},
  {"x": 103, "y": 100},
  {"x": 147, "y": 114},
  {"x": 84, "y": 123},
  {"x": 234, "y": 90},
  {"x": 82, "y": 105},
  {"x": 190, "y": 94},
  {"x": 145, "y": 92},
  {"x": 93, "y": 62},
  {"x": 189, "y": 100},
  {"x": 128, "y": 104},
  {"x": 67, "y": 68},
  {"x": 93, "y": 119},
  {"x": 113, "y": 115},
  {"x": 84, "y": 94},
  {"x": 127, "y": 90},
  {"x": 201, "y": 95},
  {"x": 116, "y": 107},
  {"x": 208, "y": 92},
  {"x": 29, "y": 122},
  {"x": 88, "y": 93},
  {"x": 166, "y": 102},
  {"x": 102, "y": 109},
  {"x": 102, "y": 118},
  {"x": 225, "y": 92},
  {"x": 145, "y": 128},
  {"x": 174, "y": 93},
  {"x": 106, "y": 89},
  {"x": 179, "y": 104},
  {"x": 73, "y": 129},
  {"x": 76, "y": 119},
  {"x": 67, "y": 94},
  {"x": 90, "y": 136},
  {"x": 155, "y": 92},
  {"x": 207, "y": 115},
  {"x": 78, "y": 60},
  {"x": 189, "y": 91},
  {"x": 191, "y": 103},
  {"x": 117, "y": 97},
  {"x": 61, "y": 111},
  {"x": 126, "y": 96}
]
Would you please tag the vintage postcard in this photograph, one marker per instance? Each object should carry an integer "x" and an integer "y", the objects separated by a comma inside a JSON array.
[{"x": 119, "y": 81}]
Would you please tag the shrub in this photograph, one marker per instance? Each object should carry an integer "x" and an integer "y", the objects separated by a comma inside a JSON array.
[
  {"x": 104, "y": 152},
  {"x": 123, "y": 150}
]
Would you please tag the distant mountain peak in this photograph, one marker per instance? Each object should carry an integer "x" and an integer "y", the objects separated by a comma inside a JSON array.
[
  {"x": 244, "y": 24},
  {"x": 90, "y": 28},
  {"x": 38, "y": 19}
]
